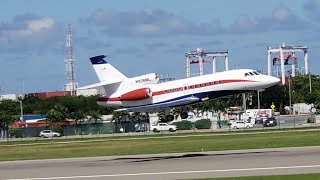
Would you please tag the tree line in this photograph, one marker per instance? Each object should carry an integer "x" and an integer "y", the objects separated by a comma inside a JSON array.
[{"x": 59, "y": 109}]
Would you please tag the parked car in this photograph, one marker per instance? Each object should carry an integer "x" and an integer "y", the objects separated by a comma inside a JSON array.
[
  {"x": 270, "y": 122},
  {"x": 163, "y": 127},
  {"x": 241, "y": 125},
  {"x": 49, "y": 133}
]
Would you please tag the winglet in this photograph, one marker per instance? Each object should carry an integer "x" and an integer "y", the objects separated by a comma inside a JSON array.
[{"x": 98, "y": 59}]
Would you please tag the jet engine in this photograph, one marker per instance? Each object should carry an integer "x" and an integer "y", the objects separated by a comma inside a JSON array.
[{"x": 138, "y": 94}]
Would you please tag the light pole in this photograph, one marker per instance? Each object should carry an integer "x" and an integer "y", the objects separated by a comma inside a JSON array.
[
  {"x": 21, "y": 110},
  {"x": 289, "y": 84},
  {"x": 310, "y": 82}
]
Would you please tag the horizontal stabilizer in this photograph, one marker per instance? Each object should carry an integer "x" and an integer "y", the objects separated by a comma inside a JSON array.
[
  {"x": 151, "y": 107},
  {"x": 100, "y": 84}
]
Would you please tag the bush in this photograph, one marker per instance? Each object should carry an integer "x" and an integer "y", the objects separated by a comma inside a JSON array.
[
  {"x": 183, "y": 125},
  {"x": 311, "y": 120},
  {"x": 15, "y": 133},
  {"x": 203, "y": 124},
  {"x": 57, "y": 128}
]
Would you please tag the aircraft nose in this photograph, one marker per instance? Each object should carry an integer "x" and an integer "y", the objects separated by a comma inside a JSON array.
[{"x": 274, "y": 80}]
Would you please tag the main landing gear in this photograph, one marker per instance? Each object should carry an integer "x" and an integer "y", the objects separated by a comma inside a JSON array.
[
  {"x": 170, "y": 117},
  {"x": 184, "y": 115}
]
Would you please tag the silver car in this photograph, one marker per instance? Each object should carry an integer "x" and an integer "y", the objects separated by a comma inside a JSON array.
[{"x": 49, "y": 133}]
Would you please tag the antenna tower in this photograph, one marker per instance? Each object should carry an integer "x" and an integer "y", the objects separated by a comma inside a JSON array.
[{"x": 71, "y": 84}]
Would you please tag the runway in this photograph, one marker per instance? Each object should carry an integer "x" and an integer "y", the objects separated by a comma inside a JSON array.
[{"x": 170, "y": 166}]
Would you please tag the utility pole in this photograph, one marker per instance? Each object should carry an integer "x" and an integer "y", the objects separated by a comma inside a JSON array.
[
  {"x": 310, "y": 82},
  {"x": 21, "y": 110},
  {"x": 289, "y": 80}
]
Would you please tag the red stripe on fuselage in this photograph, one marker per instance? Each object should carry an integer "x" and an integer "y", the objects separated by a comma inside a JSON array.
[{"x": 193, "y": 86}]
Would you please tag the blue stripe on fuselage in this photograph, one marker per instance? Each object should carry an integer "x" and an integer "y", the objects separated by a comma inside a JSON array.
[{"x": 210, "y": 95}]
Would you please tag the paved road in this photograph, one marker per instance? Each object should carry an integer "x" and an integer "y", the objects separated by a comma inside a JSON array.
[{"x": 170, "y": 166}]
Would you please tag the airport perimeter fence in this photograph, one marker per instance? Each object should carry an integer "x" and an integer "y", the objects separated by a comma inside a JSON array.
[
  {"x": 130, "y": 128},
  {"x": 83, "y": 130}
]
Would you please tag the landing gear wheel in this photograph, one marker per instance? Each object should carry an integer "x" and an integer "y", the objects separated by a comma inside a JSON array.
[
  {"x": 169, "y": 118},
  {"x": 184, "y": 115}
]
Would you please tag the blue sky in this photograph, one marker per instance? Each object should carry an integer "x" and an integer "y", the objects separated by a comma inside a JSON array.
[{"x": 145, "y": 36}]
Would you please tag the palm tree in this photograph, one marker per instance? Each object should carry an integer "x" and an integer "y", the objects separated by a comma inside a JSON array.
[
  {"x": 94, "y": 115},
  {"x": 57, "y": 114},
  {"x": 76, "y": 117},
  {"x": 117, "y": 116}
]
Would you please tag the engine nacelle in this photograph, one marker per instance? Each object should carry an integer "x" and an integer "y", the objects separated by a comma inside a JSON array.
[{"x": 138, "y": 94}]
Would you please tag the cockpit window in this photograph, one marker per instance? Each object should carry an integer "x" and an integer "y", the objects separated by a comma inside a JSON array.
[
  {"x": 256, "y": 73},
  {"x": 246, "y": 74},
  {"x": 251, "y": 73}
]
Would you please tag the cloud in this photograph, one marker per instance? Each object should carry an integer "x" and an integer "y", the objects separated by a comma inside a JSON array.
[
  {"x": 157, "y": 22},
  {"x": 148, "y": 23},
  {"x": 89, "y": 43},
  {"x": 29, "y": 32},
  {"x": 311, "y": 5},
  {"x": 312, "y": 8},
  {"x": 281, "y": 18}
]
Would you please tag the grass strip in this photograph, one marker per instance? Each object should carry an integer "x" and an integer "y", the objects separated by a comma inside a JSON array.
[
  {"x": 161, "y": 145},
  {"x": 276, "y": 177},
  {"x": 146, "y": 136}
]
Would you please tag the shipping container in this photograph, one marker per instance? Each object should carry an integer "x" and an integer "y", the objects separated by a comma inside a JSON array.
[{"x": 44, "y": 95}]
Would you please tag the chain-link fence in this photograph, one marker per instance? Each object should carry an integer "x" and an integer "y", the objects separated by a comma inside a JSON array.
[{"x": 131, "y": 128}]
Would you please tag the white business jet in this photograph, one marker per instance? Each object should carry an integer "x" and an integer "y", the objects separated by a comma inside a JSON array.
[{"x": 145, "y": 93}]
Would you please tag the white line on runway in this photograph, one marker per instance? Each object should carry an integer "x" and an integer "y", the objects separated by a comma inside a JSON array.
[{"x": 171, "y": 172}]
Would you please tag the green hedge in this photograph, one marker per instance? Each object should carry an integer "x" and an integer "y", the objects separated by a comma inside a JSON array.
[
  {"x": 57, "y": 128},
  {"x": 203, "y": 124},
  {"x": 183, "y": 125},
  {"x": 15, "y": 133}
]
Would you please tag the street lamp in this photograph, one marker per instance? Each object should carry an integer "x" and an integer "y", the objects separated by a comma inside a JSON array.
[
  {"x": 310, "y": 82},
  {"x": 21, "y": 110},
  {"x": 258, "y": 92}
]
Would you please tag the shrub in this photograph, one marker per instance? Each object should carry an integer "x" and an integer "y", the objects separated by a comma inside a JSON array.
[
  {"x": 203, "y": 124},
  {"x": 183, "y": 125},
  {"x": 311, "y": 120},
  {"x": 57, "y": 128},
  {"x": 15, "y": 133}
]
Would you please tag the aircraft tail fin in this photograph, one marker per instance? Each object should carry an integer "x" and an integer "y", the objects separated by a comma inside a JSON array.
[{"x": 105, "y": 71}]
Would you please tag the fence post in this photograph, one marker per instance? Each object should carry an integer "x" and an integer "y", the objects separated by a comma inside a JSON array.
[{"x": 294, "y": 121}]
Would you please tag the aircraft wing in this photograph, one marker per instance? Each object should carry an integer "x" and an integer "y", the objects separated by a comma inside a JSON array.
[
  {"x": 151, "y": 107},
  {"x": 99, "y": 84}
]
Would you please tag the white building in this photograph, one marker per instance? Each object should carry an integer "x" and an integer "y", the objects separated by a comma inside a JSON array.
[{"x": 13, "y": 97}]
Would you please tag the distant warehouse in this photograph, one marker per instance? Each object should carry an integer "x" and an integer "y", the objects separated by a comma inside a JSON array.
[{"x": 45, "y": 95}]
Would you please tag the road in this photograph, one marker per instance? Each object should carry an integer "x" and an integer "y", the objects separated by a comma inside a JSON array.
[{"x": 170, "y": 166}]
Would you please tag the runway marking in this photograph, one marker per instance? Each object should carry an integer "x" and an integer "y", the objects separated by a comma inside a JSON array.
[
  {"x": 169, "y": 172},
  {"x": 226, "y": 133}
]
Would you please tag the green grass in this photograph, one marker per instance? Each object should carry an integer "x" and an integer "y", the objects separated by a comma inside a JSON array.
[
  {"x": 121, "y": 146},
  {"x": 71, "y": 138},
  {"x": 280, "y": 177}
]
